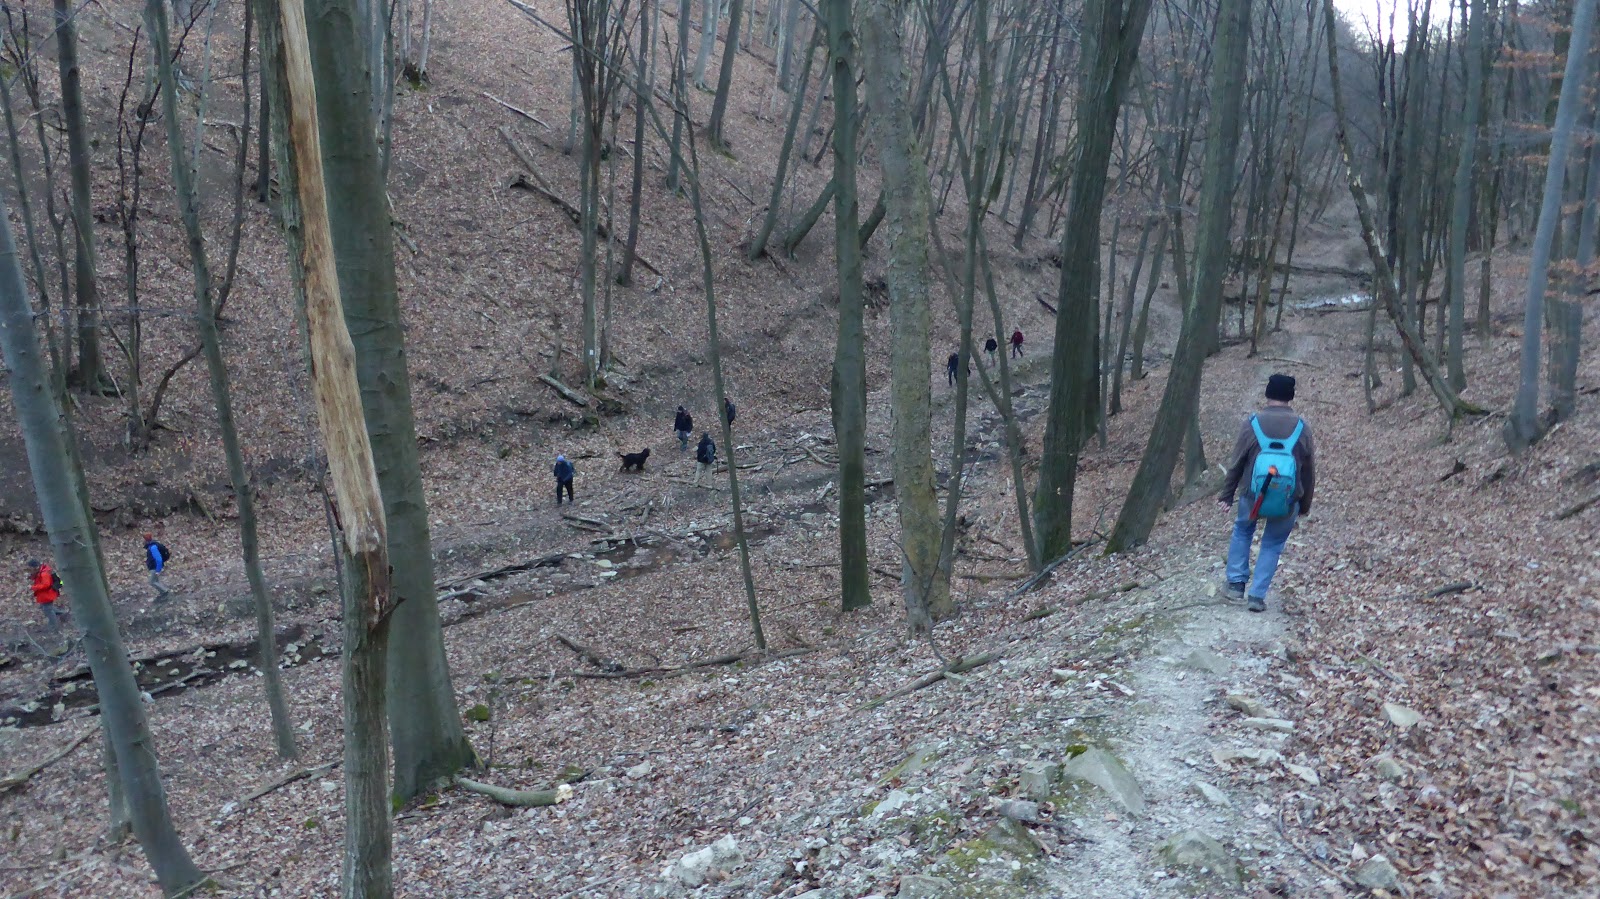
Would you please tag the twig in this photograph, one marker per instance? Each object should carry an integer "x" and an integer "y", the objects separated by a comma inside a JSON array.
[
  {"x": 291, "y": 777},
  {"x": 16, "y": 780},
  {"x": 1283, "y": 831},
  {"x": 518, "y": 110},
  {"x": 1033, "y": 582},
  {"x": 1435, "y": 593},
  {"x": 1578, "y": 506},
  {"x": 957, "y": 665},
  {"x": 590, "y": 656}
]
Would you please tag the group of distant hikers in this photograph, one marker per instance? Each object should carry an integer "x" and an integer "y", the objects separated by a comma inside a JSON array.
[
  {"x": 46, "y": 584},
  {"x": 1272, "y": 473},
  {"x": 953, "y": 364},
  {"x": 705, "y": 452}
]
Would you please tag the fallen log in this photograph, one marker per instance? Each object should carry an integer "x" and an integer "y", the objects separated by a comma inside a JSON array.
[
  {"x": 12, "y": 781},
  {"x": 567, "y": 393},
  {"x": 1577, "y": 507},
  {"x": 516, "y": 798},
  {"x": 956, "y": 666},
  {"x": 550, "y": 561},
  {"x": 1037, "y": 579}
]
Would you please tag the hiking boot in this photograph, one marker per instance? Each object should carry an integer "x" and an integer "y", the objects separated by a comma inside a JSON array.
[
  {"x": 1258, "y": 603},
  {"x": 1234, "y": 592}
]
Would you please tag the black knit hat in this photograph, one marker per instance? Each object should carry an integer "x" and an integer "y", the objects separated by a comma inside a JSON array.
[{"x": 1280, "y": 388}]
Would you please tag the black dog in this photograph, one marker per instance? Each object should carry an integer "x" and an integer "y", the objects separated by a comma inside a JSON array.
[{"x": 635, "y": 460}]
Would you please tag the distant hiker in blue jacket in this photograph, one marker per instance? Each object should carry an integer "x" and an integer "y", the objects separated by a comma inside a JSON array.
[
  {"x": 1274, "y": 460},
  {"x": 155, "y": 559},
  {"x": 1276, "y": 463},
  {"x": 564, "y": 473}
]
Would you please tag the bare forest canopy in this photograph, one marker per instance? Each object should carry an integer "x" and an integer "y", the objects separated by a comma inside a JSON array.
[{"x": 329, "y": 296}]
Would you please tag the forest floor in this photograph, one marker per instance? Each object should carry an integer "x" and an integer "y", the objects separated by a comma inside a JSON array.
[{"x": 1268, "y": 734}]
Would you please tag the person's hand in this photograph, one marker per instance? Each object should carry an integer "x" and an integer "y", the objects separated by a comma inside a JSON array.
[{"x": 1224, "y": 505}]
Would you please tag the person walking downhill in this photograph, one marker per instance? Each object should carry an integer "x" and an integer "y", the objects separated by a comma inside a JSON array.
[
  {"x": 1275, "y": 462},
  {"x": 156, "y": 558},
  {"x": 951, "y": 365},
  {"x": 989, "y": 348},
  {"x": 1016, "y": 343},
  {"x": 729, "y": 410},
  {"x": 705, "y": 455},
  {"x": 46, "y": 590},
  {"x": 564, "y": 473},
  {"x": 683, "y": 424}
]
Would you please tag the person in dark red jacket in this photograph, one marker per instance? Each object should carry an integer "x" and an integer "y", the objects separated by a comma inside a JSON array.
[
  {"x": 1016, "y": 343},
  {"x": 46, "y": 590}
]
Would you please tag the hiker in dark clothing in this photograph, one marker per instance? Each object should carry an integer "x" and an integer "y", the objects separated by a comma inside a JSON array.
[
  {"x": 563, "y": 472},
  {"x": 950, "y": 367},
  {"x": 989, "y": 348},
  {"x": 1275, "y": 462},
  {"x": 683, "y": 423},
  {"x": 1016, "y": 343},
  {"x": 729, "y": 410},
  {"x": 46, "y": 590},
  {"x": 155, "y": 559},
  {"x": 705, "y": 455}
]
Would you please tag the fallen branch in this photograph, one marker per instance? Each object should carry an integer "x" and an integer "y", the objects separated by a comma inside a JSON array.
[
  {"x": 293, "y": 776},
  {"x": 518, "y": 110},
  {"x": 519, "y": 182},
  {"x": 516, "y": 798},
  {"x": 590, "y": 656},
  {"x": 586, "y": 520},
  {"x": 551, "y": 561},
  {"x": 1577, "y": 507},
  {"x": 956, "y": 666},
  {"x": 1435, "y": 593},
  {"x": 1033, "y": 582},
  {"x": 690, "y": 668},
  {"x": 1047, "y": 306},
  {"x": 12, "y": 781},
  {"x": 567, "y": 393}
]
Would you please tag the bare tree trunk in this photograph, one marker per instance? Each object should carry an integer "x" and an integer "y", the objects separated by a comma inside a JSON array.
[
  {"x": 424, "y": 722},
  {"x": 74, "y": 543},
  {"x": 641, "y": 92},
  {"x": 1386, "y": 287},
  {"x": 679, "y": 110},
  {"x": 1202, "y": 307},
  {"x": 1522, "y": 426},
  {"x": 710, "y": 16},
  {"x": 368, "y": 600},
  {"x": 91, "y": 366},
  {"x": 1115, "y": 30},
  {"x": 211, "y": 347},
  {"x": 1461, "y": 201},
  {"x": 905, "y": 185},
  {"x": 758, "y": 245},
  {"x": 850, "y": 354},
  {"x": 730, "y": 55}
]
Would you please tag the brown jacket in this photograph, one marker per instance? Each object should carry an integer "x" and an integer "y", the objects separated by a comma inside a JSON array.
[{"x": 1276, "y": 422}]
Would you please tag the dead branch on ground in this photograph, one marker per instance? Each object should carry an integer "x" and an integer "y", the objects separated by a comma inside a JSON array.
[
  {"x": 12, "y": 781},
  {"x": 956, "y": 666}
]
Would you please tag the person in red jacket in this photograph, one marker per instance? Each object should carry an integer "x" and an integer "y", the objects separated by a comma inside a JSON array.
[
  {"x": 1016, "y": 343},
  {"x": 46, "y": 590}
]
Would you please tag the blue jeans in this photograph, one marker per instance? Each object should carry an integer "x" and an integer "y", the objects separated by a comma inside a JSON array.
[{"x": 1273, "y": 537}]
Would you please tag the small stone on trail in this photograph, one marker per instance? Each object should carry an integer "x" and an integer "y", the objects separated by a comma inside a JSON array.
[
  {"x": 1196, "y": 849},
  {"x": 1276, "y": 725},
  {"x": 642, "y": 769},
  {"x": 1309, "y": 775},
  {"x": 1212, "y": 794},
  {"x": 1377, "y": 873},
  {"x": 1102, "y": 769},
  {"x": 1038, "y": 778},
  {"x": 1013, "y": 839},
  {"x": 603, "y": 563},
  {"x": 1388, "y": 768},
  {"x": 1253, "y": 756},
  {"x": 924, "y": 886},
  {"x": 693, "y": 869},
  {"x": 1250, "y": 707},
  {"x": 1020, "y": 810},
  {"x": 1208, "y": 661},
  {"x": 1401, "y": 716},
  {"x": 896, "y": 800}
]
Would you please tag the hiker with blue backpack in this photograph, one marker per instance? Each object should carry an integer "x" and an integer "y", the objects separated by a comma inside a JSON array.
[{"x": 1274, "y": 462}]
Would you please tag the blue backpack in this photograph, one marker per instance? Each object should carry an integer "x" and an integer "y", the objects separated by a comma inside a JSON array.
[{"x": 1272, "y": 480}]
